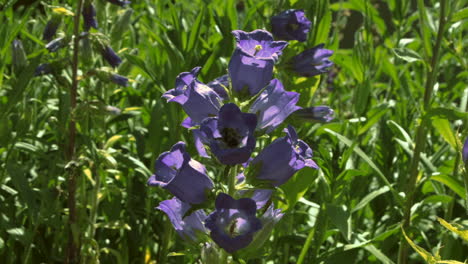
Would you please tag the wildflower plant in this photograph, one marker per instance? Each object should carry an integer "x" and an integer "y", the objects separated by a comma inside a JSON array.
[{"x": 233, "y": 119}]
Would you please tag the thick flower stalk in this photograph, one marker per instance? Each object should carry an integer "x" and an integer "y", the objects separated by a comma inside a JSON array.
[{"x": 225, "y": 124}]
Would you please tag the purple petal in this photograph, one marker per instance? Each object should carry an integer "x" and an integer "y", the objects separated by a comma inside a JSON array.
[{"x": 274, "y": 105}]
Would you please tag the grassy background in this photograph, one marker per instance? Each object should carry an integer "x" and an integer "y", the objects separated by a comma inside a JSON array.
[{"x": 349, "y": 211}]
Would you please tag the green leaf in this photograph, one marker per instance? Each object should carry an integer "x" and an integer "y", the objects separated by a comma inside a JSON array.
[
  {"x": 450, "y": 182},
  {"x": 297, "y": 186},
  {"x": 460, "y": 15},
  {"x": 421, "y": 251},
  {"x": 339, "y": 215},
  {"x": 366, "y": 158},
  {"x": 195, "y": 30},
  {"x": 407, "y": 55},
  {"x": 17, "y": 232},
  {"x": 443, "y": 127},
  {"x": 462, "y": 233},
  {"x": 368, "y": 198}
]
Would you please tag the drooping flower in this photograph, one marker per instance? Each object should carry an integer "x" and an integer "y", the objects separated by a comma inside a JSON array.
[
  {"x": 89, "y": 17},
  {"x": 197, "y": 99},
  {"x": 281, "y": 159},
  {"x": 312, "y": 62},
  {"x": 251, "y": 64},
  {"x": 181, "y": 175},
  {"x": 190, "y": 227},
  {"x": 465, "y": 151},
  {"x": 290, "y": 25},
  {"x": 43, "y": 69},
  {"x": 230, "y": 135},
  {"x": 55, "y": 44},
  {"x": 119, "y": 2},
  {"x": 273, "y": 106},
  {"x": 18, "y": 56},
  {"x": 233, "y": 223},
  {"x": 51, "y": 28},
  {"x": 220, "y": 86},
  {"x": 119, "y": 79},
  {"x": 110, "y": 56},
  {"x": 323, "y": 114}
]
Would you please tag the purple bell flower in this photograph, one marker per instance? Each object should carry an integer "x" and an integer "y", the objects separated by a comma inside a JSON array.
[
  {"x": 43, "y": 69},
  {"x": 110, "y": 56},
  {"x": 323, "y": 114},
  {"x": 51, "y": 28},
  {"x": 219, "y": 85},
  {"x": 465, "y": 151},
  {"x": 312, "y": 62},
  {"x": 198, "y": 100},
  {"x": 273, "y": 106},
  {"x": 89, "y": 17},
  {"x": 281, "y": 159},
  {"x": 234, "y": 223},
  {"x": 119, "y": 79},
  {"x": 290, "y": 25},
  {"x": 251, "y": 64},
  {"x": 119, "y": 2},
  {"x": 190, "y": 227},
  {"x": 230, "y": 135},
  {"x": 184, "y": 177},
  {"x": 55, "y": 44}
]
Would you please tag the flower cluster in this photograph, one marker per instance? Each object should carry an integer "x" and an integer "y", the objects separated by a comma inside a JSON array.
[
  {"x": 227, "y": 118},
  {"x": 89, "y": 41}
]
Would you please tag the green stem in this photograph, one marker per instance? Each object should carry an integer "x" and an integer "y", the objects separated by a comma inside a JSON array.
[
  {"x": 73, "y": 242},
  {"x": 316, "y": 235},
  {"x": 231, "y": 173},
  {"x": 421, "y": 133}
]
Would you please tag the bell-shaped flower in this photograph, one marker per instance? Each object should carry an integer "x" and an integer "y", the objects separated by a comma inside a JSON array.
[
  {"x": 273, "y": 106},
  {"x": 51, "y": 28},
  {"x": 110, "y": 56},
  {"x": 119, "y": 79},
  {"x": 230, "y": 135},
  {"x": 119, "y": 2},
  {"x": 89, "y": 16},
  {"x": 290, "y": 25},
  {"x": 55, "y": 44},
  {"x": 251, "y": 64},
  {"x": 322, "y": 114},
  {"x": 312, "y": 62},
  {"x": 465, "y": 151},
  {"x": 18, "y": 56},
  {"x": 43, "y": 69},
  {"x": 197, "y": 99},
  {"x": 184, "y": 177},
  {"x": 191, "y": 227},
  {"x": 281, "y": 159},
  {"x": 233, "y": 223}
]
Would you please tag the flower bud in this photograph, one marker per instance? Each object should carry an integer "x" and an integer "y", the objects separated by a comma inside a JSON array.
[{"x": 19, "y": 59}]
